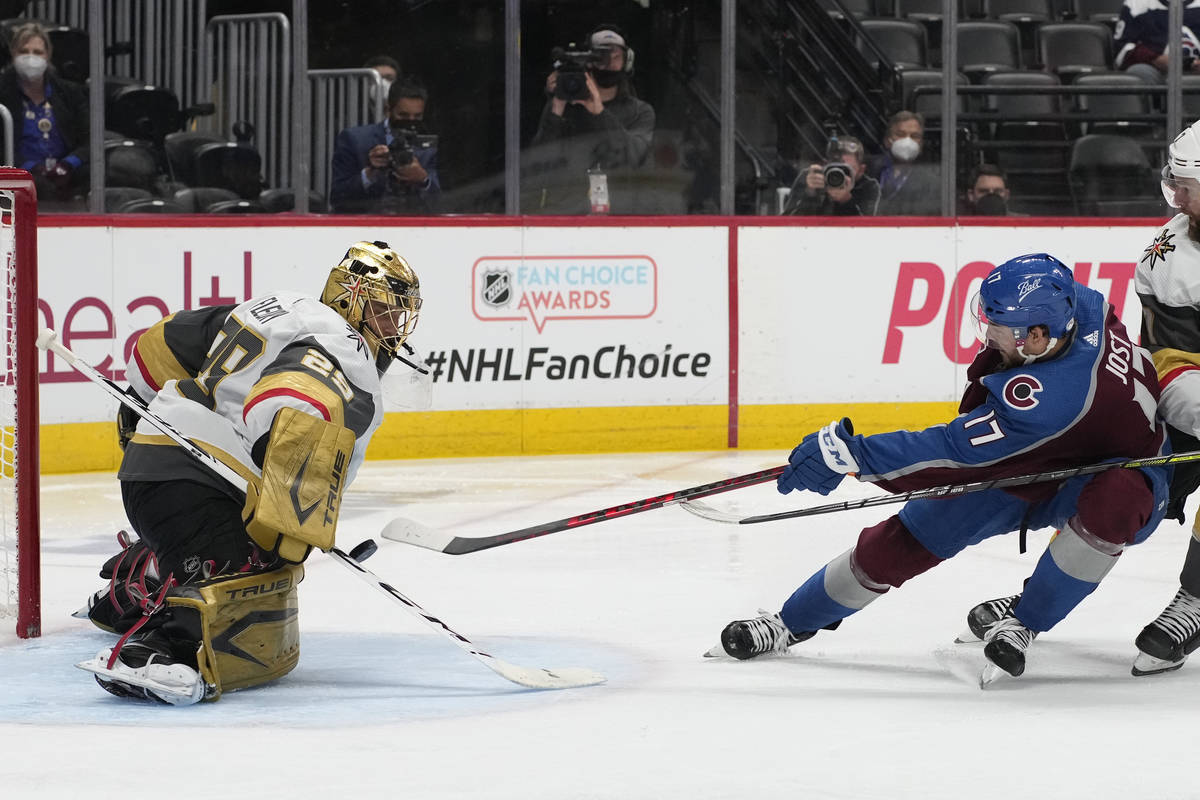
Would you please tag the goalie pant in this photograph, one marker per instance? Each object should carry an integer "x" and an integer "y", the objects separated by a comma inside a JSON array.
[{"x": 1074, "y": 409}]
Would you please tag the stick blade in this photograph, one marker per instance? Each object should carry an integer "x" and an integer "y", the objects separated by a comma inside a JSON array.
[
  {"x": 412, "y": 532},
  {"x": 542, "y": 678},
  {"x": 705, "y": 511}
]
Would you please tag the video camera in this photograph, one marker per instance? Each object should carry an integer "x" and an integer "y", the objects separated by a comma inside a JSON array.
[
  {"x": 572, "y": 67},
  {"x": 404, "y": 146}
]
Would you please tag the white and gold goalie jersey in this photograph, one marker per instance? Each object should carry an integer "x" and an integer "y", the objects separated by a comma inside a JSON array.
[{"x": 220, "y": 374}]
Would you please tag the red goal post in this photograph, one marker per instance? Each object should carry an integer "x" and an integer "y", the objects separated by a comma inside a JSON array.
[{"x": 20, "y": 573}]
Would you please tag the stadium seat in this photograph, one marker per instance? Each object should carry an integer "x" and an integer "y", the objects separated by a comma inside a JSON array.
[
  {"x": 1033, "y": 152},
  {"x": 145, "y": 112},
  {"x": 1103, "y": 11},
  {"x": 1070, "y": 49},
  {"x": 857, "y": 8},
  {"x": 181, "y": 149},
  {"x": 902, "y": 41},
  {"x": 236, "y": 207},
  {"x": 197, "y": 199},
  {"x": 151, "y": 206},
  {"x": 1027, "y": 15},
  {"x": 229, "y": 166},
  {"x": 1108, "y": 169},
  {"x": 130, "y": 163},
  {"x": 117, "y": 196},
  {"x": 987, "y": 46},
  {"x": 275, "y": 201},
  {"x": 927, "y": 102},
  {"x": 1132, "y": 108}
]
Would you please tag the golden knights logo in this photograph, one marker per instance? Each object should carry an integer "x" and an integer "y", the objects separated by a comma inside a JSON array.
[
  {"x": 497, "y": 287},
  {"x": 1159, "y": 248}
]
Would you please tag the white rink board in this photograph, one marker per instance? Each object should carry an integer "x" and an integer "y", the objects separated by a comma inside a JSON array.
[
  {"x": 653, "y": 301},
  {"x": 842, "y": 314}
]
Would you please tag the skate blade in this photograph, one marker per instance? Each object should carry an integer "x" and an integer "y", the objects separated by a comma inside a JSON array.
[
  {"x": 967, "y": 637},
  {"x": 990, "y": 674},
  {"x": 715, "y": 652},
  {"x": 81, "y": 613},
  {"x": 176, "y": 693},
  {"x": 1149, "y": 665}
]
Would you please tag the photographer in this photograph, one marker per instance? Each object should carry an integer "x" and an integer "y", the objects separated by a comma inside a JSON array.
[
  {"x": 840, "y": 187},
  {"x": 594, "y": 115},
  {"x": 388, "y": 167}
]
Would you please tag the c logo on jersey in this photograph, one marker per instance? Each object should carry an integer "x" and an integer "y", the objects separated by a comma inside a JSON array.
[{"x": 1021, "y": 392}]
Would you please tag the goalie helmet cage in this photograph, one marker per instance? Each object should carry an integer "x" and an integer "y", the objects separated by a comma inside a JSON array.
[{"x": 20, "y": 574}]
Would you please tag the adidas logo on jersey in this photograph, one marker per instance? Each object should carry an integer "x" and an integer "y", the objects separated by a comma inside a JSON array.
[{"x": 1093, "y": 338}]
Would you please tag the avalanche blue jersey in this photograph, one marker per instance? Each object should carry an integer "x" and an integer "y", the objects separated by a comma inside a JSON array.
[{"x": 1095, "y": 401}]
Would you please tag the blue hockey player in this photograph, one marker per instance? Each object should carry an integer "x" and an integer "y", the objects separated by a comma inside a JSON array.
[{"x": 1057, "y": 385}]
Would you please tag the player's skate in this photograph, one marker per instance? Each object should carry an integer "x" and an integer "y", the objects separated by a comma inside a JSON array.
[
  {"x": 1006, "y": 643},
  {"x": 749, "y": 638},
  {"x": 982, "y": 617},
  {"x": 146, "y": 669},
  {"x": 1165, "y": 643}
]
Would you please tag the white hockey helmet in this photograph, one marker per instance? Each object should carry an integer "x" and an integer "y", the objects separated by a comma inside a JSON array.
[{"x": 1183, "y": 161}]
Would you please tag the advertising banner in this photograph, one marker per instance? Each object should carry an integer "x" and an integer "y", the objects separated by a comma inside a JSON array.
[
  {"x": 513, "y": 317},
  {"x": 883, "y": 315}
]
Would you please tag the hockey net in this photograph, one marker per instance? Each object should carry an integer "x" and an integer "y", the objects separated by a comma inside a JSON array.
[{"x": 20, "y": 590}]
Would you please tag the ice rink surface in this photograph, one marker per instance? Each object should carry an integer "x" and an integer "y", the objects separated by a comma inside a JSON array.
[{"x": 380, "y": 707}]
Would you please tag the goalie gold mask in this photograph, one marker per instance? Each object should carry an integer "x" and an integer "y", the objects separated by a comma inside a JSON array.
[{"x": 379, "y": 295}]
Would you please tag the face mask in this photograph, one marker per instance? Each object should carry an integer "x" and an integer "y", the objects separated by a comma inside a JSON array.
[
  {"x": 30, "y": 67},
  {"x": 905, "y": 149}
]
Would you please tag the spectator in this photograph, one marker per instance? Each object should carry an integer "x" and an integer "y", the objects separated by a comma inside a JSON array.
[
  {"x": 987, "y": 196},
  {"x": 598, "y": 121},
  {"x": 906, "y": 187},
  {"x": 1141, "y": 39},
  {"x": 50, "y": 115},
  {"x": 388, "y": 69},
  {"x": 388, "y": 167},
  {"x": 842, "y": 192}
]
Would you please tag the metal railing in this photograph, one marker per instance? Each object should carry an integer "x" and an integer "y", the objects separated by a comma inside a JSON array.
[
  {"x": 339, "y": 98},
  {"x": 247, "y": 66}
]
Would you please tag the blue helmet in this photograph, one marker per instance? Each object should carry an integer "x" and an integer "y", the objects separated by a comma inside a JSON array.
[{"x": 1029, "y": 290}]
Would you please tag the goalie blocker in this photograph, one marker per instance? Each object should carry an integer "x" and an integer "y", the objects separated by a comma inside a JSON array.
[{"x": 295, "y": 507}]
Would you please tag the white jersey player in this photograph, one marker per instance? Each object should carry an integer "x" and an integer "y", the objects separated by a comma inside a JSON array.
[{"x": 285, "y": 389}]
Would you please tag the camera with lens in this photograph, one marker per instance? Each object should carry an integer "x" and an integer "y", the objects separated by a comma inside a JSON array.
[
  {"x": 405, "y": 145},
  {"x": 572, "y": 67},
  {"x": 838, "y": 175}
]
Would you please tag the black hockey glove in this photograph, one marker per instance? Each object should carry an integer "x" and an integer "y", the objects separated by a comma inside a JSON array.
[{"x": 127, "y": 420}]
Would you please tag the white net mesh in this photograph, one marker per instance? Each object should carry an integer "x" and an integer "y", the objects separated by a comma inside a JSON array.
[{"x": 8, "y": 415}]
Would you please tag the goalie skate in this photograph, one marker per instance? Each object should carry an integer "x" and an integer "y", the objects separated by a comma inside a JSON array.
[{"x": 171, "y": 683}]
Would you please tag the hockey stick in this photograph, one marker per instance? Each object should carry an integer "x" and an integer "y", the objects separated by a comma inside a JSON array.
[
  {"x": 716, "y": 515},
  {"x": 534, "y": 678},
  {"x": 412, "y": 532}
]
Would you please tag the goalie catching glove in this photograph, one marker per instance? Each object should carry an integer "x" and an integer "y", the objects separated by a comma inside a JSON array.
[{"x": 295, "y": 506}]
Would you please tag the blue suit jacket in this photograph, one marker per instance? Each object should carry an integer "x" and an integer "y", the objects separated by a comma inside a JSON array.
[{"x": 347, "y": 194}]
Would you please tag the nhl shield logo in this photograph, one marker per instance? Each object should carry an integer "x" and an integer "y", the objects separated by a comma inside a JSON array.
[{"x": 497, "y": 288}]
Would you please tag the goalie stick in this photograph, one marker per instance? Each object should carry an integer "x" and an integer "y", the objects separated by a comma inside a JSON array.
[
  {"x": 412, "y": 532},
  {"x": 531, "y": 677},
  {"x": 716, "y": 515}
]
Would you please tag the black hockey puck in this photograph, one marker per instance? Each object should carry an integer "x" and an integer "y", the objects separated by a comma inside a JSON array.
[{"x": 364, "y": 550}]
